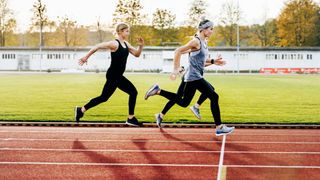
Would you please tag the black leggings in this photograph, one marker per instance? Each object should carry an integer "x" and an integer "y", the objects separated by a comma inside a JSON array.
[
  {"x": 189, "y": 89},
  {"x": 170, "y": 104},
  {"x": 109, "y": 88}
]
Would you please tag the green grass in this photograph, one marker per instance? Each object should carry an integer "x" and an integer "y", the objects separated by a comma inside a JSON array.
[{"x": 243, "y": 99}]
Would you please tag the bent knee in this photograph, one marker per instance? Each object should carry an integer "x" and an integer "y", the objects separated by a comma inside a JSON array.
[
  {"x": 134, "y": 93},
  {"x": 214, "y": 97},
  {"x": 184, "y": 104}
]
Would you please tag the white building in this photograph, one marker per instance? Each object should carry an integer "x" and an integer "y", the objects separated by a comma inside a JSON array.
[{"x": 158, "y": 59}]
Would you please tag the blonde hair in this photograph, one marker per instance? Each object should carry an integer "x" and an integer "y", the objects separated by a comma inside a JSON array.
[{"x": 121, "y": 26}]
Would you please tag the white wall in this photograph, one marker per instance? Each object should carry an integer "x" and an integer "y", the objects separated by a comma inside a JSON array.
[{"x": 155, "y": 58}]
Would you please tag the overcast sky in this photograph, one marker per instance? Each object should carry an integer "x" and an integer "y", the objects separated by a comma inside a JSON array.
[{"x": 87, "y": 12}]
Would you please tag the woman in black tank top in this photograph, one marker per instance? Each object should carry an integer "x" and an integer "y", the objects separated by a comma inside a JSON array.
[{"x": 120, "y": 50}]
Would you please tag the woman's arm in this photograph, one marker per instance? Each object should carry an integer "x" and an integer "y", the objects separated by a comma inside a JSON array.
[
  {"x": 185, "y": 52},
  {"x": 218, "y": 61},
  {"x": 134, "y": 51},
  {"x": 111, "y": 45},
  {"x": 191, "y": 45}
]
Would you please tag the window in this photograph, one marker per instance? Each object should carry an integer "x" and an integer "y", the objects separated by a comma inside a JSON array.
[
  {"x": 59, "y": 56},
  {"x": 241, "y": 56},
  {"x": 8, "y": 56},
  {"x": 309, "y": 56}
]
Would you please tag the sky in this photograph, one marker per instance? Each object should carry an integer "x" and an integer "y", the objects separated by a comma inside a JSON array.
[{"x": 87, "y": 12}]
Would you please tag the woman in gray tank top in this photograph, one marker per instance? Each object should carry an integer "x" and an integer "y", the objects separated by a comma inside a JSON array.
[{"x": 193, "y": 78}]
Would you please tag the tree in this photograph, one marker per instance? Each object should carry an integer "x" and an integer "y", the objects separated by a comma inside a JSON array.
[
  {"x": 230, "y": 17},
  {"x": 67, "y": 26},
  {"x": 99, "y": 30},
  {"x": 297, "y": 23},
  {"x": 318, "y": 27},
  {"x": 120, "y": 12},
  {"x": 7, "y": 22},
  {"x": 163, "y": 20},
  {"x": 196, "y": 11},
  {"x": 80, "y": 36},
  {"x": 39, "y": 19},
  {"x": 129, "y": 11},
  {"x": 266, "y": 34}
]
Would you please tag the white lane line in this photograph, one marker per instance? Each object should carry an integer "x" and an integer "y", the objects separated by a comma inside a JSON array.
[
  {"x": 105, "y": 164},
  {"x": 266, "y": 152},
  {"x": 157, "y": 141},
  {"x": 221, "y": 157},
  {"x": 266, "y": 166},
  {"x": 106, "y": 150},
  {"x": 163, "y": 165},
  {"x": 155, "y": 151}
]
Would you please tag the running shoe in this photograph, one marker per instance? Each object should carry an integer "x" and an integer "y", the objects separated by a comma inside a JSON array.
[
  {"x": 224, "y": 130},
  {"x": 196, "y": 111},
  {"x": 78, "y": 113},
  {"x": 158, "y": 119},
  {"x": 152, "y": 91},
  {"x": 132, "y": 122}
]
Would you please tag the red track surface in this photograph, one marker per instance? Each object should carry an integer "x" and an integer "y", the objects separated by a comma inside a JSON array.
[{"x": 150, "y": 153}]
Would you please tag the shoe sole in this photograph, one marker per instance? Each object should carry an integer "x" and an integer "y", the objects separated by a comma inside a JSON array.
[
  {"x": 130, "y": 124},
  {"x": 146, "y": 97},
  {"x": 159, "y": 125},
  {"x": 195, "y": 114},
  {"x": 225, "y": 133}
]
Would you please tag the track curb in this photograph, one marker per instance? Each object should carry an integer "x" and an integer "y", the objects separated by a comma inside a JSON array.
[{"x": 153, "y": 125}]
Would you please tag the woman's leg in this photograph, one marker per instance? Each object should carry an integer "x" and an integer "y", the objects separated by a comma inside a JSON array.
[
  {"x": 126, "y": 86},
  {"x": 207, "y": 89},
  {"x": 109, "y": 87},
  {"x": 170, "y": 104},
  {"x": 196, "y": 107},
  {"x": 189, "y": 89}
]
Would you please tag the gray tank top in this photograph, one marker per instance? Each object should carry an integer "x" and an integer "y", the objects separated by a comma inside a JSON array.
[{"x": 196, "y": 62}]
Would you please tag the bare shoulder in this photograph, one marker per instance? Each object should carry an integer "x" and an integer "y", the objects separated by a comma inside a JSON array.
[
  {"x": 128, "y": 44},
  {"x": 113, "y": 45},
  {"x": 194, "y": 43}
]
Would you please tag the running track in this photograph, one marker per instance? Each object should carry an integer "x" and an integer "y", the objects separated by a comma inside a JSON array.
[{"x": 151, "y": 153}]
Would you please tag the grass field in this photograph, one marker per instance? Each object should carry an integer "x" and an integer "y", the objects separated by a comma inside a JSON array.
[{"x": 243, "y": 99}]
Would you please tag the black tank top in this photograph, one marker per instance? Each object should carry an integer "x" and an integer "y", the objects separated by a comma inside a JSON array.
[{"x": 118, "y": 61}]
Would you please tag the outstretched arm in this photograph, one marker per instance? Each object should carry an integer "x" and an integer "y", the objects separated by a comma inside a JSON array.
[
  {"x": 134, "y": 51},
  {"x": 111, "y": 45}
]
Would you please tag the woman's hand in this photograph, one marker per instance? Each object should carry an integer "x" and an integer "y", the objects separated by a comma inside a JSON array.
[
  {"x": 140, "y": 41},
  {"x": 173, "y": 76},
  {"x": 176, "y": 72},
  {"x": 219, "y": 61},
  {"x": 83, "y": 60}
]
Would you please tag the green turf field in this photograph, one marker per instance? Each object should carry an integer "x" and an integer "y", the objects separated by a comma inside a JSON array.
[{"x": 243, "y": 99}]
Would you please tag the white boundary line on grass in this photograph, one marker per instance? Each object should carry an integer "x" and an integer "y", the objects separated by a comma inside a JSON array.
[{"x": 108, "y": 132}]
